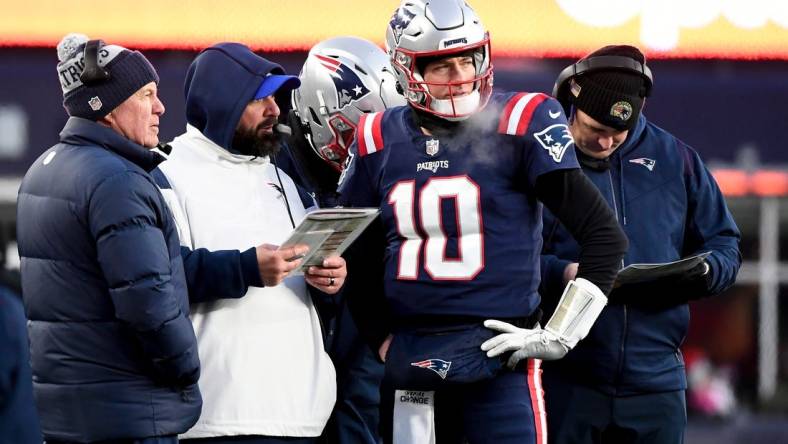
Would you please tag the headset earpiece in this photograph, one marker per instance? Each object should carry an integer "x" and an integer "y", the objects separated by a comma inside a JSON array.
[
  {"x": 93, "y": 74},
  {"x": 561, "y": 89}
]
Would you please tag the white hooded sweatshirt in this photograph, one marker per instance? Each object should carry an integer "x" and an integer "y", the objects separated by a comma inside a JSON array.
[{"x": 264, "y": 368}]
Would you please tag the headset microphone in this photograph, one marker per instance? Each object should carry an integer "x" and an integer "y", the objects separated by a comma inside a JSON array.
[{"x": 283, "y": 129}]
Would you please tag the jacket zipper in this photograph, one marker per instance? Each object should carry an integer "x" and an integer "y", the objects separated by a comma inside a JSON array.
[{"x": 624, "y": 335}]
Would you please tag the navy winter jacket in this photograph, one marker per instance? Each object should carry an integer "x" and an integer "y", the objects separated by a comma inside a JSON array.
[
  {"x": 18, "y": 417},
  {"x": 112, "y": 349},
  {"x": 670, "y": 207}
]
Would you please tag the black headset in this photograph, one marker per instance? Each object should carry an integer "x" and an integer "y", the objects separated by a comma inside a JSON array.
[
  {"x": 93, "y": 74},
  {"x": 561, "y": 89}
]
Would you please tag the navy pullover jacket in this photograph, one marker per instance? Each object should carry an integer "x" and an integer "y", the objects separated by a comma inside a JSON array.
[{"x": 670, "y": 207}]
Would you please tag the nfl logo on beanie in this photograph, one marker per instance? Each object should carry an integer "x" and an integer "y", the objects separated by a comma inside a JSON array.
[{"x": 128, "y": 71}]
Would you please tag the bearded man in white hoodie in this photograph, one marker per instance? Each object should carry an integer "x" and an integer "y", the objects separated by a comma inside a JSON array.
[{"x": 266, "y": 377}]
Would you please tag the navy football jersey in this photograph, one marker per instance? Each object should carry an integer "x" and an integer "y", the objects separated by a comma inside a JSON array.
[{"x": 461, "y": 220}]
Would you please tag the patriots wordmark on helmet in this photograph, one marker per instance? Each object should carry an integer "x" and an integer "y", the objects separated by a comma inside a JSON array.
[{"x": 451, "y": 42}]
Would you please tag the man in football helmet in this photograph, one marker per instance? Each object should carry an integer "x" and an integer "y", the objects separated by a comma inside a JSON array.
[
  {"x": 458, "y": 175},
  {"x": 419, "y": 33},
  {"x": 342, "y": 79}
]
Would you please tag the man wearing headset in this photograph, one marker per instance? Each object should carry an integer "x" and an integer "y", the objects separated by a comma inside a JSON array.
[
  {"x": 113, "y": 354},
  {"x": 266, "y": 376},
  {"x": 625, "y": 381}
]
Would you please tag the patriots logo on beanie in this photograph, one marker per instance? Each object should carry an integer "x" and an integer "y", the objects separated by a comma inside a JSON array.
[
  {"x": 622, "y": 110},
  {"x": 129, "y": 71}
]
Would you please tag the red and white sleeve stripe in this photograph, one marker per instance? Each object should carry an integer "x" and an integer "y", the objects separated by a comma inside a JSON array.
[
  {"x": 369, "y": 133},
  {"x": 517, "y": 113}
]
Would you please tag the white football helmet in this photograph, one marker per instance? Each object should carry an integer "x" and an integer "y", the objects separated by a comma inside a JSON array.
[
  {"x": 342, "y": 78},
  {"x": 437, "y": 29}
]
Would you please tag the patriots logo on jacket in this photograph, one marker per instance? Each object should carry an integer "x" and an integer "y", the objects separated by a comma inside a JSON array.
[
  {"x": 439, "y": 366},
  {"x": 399, "y": 21},
  {"x": 346, "y": 83},
  {"x": 555, "y": 139},
  {"x": 645, "y": 161}
]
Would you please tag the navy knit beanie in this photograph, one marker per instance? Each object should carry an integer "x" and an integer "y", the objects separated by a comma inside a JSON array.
[
  {"x": 128, "y": 72},
  {"x": 613, "y": 97}
]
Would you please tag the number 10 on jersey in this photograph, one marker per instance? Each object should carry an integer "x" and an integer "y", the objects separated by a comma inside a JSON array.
[{"x": 426, "y": 211}]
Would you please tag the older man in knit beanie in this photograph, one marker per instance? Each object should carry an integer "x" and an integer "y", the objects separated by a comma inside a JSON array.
[
  {"x": 625, "y": 382},
  {"x": 113, "y": 353},
  {"x": 106, "y": 83}
]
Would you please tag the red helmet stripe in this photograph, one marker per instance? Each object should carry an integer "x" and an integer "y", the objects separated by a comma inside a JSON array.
[{"x": 328, "y": 62}]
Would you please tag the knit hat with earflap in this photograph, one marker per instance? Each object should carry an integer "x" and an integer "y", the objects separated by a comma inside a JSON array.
[{"x": 127, "y": 70}]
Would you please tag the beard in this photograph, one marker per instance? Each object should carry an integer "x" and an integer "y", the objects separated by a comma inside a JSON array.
[{"x": 255, "y": 142}]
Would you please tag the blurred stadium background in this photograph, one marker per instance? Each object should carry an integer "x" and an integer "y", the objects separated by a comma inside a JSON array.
[{"x": 721, "y": 85}]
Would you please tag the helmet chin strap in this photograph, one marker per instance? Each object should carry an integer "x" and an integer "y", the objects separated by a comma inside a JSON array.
[{"x": 464, "y": 106}]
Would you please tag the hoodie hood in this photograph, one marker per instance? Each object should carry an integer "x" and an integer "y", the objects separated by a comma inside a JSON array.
[
  {"x": 219, "y": 84},
  {"x": 633, "y": 138}
]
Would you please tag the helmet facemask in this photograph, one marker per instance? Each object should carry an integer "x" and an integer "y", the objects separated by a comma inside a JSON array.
[
  {"x": 452, "y": 107},
  {"x": 336, "y": 150}
]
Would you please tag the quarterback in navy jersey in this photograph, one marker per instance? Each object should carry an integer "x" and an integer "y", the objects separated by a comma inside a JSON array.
[
  {"x": 459, "y": 174},
  {"x": 460, "y": 211}
]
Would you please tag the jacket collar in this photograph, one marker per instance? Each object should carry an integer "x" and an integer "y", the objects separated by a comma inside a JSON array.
[
  {"x": 79, "y": 131},
  {"x": 633, "y": 138}
]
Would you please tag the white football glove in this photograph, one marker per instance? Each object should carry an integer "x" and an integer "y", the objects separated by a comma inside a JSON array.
[
  {"x": 578, "y": 309},
  {"x": 524, "y": 342}
]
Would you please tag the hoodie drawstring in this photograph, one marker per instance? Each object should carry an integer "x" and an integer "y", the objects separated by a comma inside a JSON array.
[
  {"x": 282, "y": 187},
  {"x": 621, "y": 186}
]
